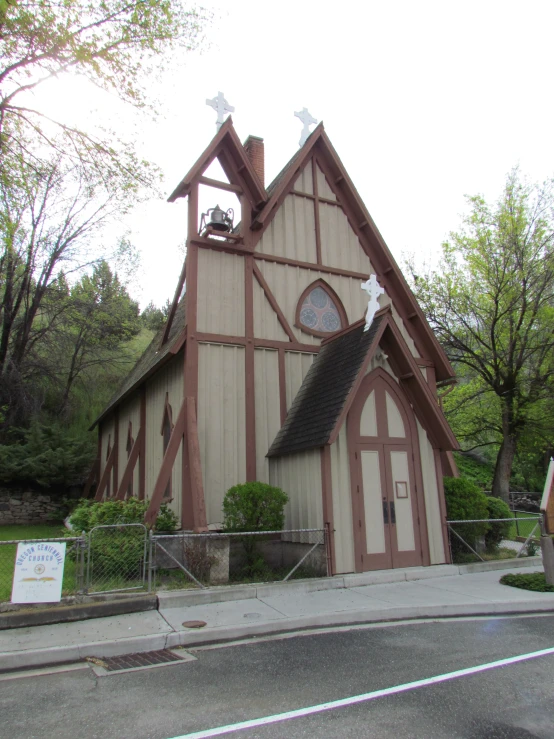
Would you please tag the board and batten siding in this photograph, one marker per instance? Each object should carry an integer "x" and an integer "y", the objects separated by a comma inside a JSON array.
[
  {"x": 266, "y": 323},
  {"x": 287, "y": 283},
  {"x": 291, "y": 232},
  {"x": 221, "y": 422},
  {"x": 168, "y": 379},
  {"x": 305, "y": 183},
  {"x": 431, "y": 493},
  {"x": 220, "y": 293},
  {"x": 129, "y": 412},
  {"x": 299, "y": 475},
  {"x": 268, "y": 410},
  {"x": 342, "y": 505}
]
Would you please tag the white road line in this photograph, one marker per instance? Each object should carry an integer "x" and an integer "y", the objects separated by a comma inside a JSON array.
[{"x": 300, "y": 712}]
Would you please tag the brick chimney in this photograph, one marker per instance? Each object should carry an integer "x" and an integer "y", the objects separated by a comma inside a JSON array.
[{"x": 254, "y": 147}]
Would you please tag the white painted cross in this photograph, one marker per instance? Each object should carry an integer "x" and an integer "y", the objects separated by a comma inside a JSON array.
[
  {"x": 373, "y": 289},
  {"x": 221, "y": 106},
  {"x": 307, "y": 120}
]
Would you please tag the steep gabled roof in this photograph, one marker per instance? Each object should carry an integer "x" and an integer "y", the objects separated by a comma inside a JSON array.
[
  {"x": 152, "y": 358},
  {"x": 320, "y": 406},
  {"x": 372, "y": 242},
  {"x": 226, "y": 146}
]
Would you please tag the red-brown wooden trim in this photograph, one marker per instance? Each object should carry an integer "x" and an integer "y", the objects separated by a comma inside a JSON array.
[
  {"x": 164, "y": 475},
  {"x": 168, "y": 411},
  {"x": 321, "y": 199},
  {"x": 338, "y": 305},
  {"x": 232, "y": 247},
  {"x": 207, "y": 338},
  {"x": 316, "y": 212},
  {"x": 115, "y": 480},
  {"x": 327, "y": 493},
  {"x": 219, "y": 185},
  {"x": 311, "y": 266},
  {"x": 105, "y": 475},
  {"x": 250, "y": 406},
  {"x": 142, "y": 452},
  {"x": 274, "y": 304},
  {"x": 282, "y": 384},
  {"x": 191, "y": 296},
  {"x": 225, "y": 146},
  {"x": 127, "y": 476},
  {"x": 442, "y": 504},
  {"x": 196, "y": 485}
]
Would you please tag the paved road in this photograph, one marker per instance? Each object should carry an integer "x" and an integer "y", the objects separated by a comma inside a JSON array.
[{"x": 248, "y": 681}]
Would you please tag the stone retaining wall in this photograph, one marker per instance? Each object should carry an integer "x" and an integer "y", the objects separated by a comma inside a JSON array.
[{"x": 18, "y": 507}]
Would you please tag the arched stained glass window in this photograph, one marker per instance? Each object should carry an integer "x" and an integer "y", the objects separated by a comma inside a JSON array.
[{"x": 319, "y": 311}]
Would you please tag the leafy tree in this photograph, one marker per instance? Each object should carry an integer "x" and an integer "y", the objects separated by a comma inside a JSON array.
[
  {"x": 491, "y": 304},
  {"x": 114, "y": 44},
  {"x": 254, "y": 506},
  {"x": 153, "y": 318}
]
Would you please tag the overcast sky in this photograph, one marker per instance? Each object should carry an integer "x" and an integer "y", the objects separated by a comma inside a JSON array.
[{"x": 424, "y": 102}]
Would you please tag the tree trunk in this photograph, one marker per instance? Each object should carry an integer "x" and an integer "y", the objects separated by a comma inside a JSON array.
[{"x": 503, "y": 469}]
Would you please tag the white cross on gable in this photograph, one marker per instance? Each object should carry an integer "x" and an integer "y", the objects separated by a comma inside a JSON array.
[
  {"x": 221, "y": 106},
  {"x": 307, "y": 120},
  {"x": 374, "y": 290}
]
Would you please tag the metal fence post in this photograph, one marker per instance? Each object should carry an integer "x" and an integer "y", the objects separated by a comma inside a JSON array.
[{"x": 150, "y": 562}]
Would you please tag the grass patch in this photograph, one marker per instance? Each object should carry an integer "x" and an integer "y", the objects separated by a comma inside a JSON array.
[
  {"x": 535, "y": 581},
  {"x": 30, "y": 533},
  {"x": 464, "y": 558},
  {"x": 521, "y": 526}
]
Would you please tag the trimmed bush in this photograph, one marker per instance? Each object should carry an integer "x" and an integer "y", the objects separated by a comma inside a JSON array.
[
  {"x": 465, "y": 502},
  {"x": 254, "y": 506},
  {"x": 497, "y": 508}
]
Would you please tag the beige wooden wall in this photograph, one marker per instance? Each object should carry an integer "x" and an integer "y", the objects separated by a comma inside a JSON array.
[
  {"x": 169, "y": 379},
  {"x": 342, "y": 504},
  {"x": 431, "y": 493},
  {"x": 299, "y": 475},
  {"x": 221, "y": 423},
  {"x": 268, "y": 409},
  {"x": 220, "y": 293},
  {"x": 129, "y": 412}
]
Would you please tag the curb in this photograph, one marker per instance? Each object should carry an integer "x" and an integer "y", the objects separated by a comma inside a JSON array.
[
  {"x": 77, "y": 612},
  {"x": 219, "y": 635}
]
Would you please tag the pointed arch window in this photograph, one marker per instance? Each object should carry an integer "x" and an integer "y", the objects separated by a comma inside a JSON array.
[
  {"x": 167, "y": 428},
  {"x": 319, "y": 311}
]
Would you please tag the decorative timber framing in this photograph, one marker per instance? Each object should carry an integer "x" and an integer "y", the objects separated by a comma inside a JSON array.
[
  {"x": 274, "y": 304},
  {"x": 185, "y": 431},
  {"x": 137, "y": 450},
  {"x": 103, "y": 485}
]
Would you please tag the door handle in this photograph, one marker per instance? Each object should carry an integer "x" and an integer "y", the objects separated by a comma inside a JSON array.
[
  {"x": 392, "y": 513},
  {"x": 385, "y": 512}
]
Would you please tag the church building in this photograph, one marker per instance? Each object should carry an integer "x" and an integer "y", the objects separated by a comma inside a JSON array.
[{"x": 294, "y": 353}]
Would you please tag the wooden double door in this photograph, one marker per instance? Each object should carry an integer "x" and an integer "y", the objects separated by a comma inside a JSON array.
[{"x": 386, "y": 498}]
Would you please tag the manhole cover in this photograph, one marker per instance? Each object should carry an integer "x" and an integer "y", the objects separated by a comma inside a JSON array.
[
  {"x": 194, "y": 624},
  {"x": 138, "y": 661}
]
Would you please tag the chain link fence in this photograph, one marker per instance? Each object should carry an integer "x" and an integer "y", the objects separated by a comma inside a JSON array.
[
  {"x": 480, "y": 540},
  {"x": 198, "y": 560},
  {"x": 117, "y": 558}
]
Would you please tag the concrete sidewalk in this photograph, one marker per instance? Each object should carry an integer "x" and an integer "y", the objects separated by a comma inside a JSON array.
[{"x": 237, "y": 612}]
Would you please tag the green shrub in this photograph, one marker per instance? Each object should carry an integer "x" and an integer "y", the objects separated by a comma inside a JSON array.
[
  {"x": 533, "y": 581},
  {"x": 166, "y": 520},
  {"x": 254, "y": 506},
  {"x": 497, "y": 508},
  {"x": 117, "y": 552},
  {"x": 465, "y": 502}
]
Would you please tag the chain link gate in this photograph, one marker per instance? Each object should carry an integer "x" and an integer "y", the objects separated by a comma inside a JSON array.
[{"x": 117, "y": 558}]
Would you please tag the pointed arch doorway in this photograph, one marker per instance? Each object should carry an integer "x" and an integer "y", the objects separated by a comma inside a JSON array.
[{"x": 386, "y": 481}]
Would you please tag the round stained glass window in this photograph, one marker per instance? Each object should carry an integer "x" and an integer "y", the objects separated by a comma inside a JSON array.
[{"x": 319, "y": 313}]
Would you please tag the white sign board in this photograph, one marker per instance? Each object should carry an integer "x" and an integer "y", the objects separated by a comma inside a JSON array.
[{"x": 38, "y": 572}]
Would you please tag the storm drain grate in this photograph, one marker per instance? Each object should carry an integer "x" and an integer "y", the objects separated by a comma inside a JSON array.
[{"x": 141, "y": 659}]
